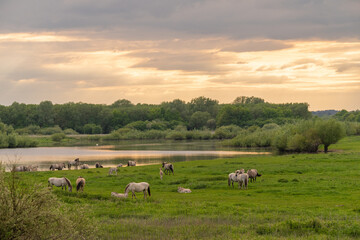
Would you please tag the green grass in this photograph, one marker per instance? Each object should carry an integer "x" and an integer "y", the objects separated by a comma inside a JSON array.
[{"x": 299, "y": 196}]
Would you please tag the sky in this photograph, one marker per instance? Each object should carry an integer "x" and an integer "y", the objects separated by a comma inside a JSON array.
[{"x": 154, "y": 51}]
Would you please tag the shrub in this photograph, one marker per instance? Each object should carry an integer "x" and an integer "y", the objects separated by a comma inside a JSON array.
[
  {"x": 33, "y": 212},
  {"x": 50, "y": 130},
  {"x": 57, "y": 137},
  {"x": 70, "y": 131}
]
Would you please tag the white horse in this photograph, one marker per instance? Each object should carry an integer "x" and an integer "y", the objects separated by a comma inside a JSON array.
[
  {"x": 60, "y": 182},
  {"x": 80, "y": 184},
  {"x": 232, "y": 177},
  {"x": 84, "y": 166},
  {"x": 168, "y": 167},
  {"x": 112, "y": 170},
  {"x": 119, "y": 195},
  {"x": 138, "y": 187},
  {"x": 243, "y": 178},
  {"x": 75, "y": 163},
  {"x": 131, "y": 163},
  {"x": 57, "y": 166},
  {"x": 253, "y": 173},
  {"x": 184, "y": 190}
]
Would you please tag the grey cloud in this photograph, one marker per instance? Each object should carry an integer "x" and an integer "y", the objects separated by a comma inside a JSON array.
[
  {"x": 183, "y": 61},
  {"x": 347, "y": 67},
  {"x": 257, "y": 45},
  {"x": 141, "y": 19},
  {"x": 252, "y": 80}
]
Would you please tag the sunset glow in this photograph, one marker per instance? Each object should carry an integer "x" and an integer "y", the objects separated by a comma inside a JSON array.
[{"x": 101, "y": 66}]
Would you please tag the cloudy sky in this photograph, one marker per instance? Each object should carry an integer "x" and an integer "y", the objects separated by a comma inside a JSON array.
[{"x": 153, "y": 51}]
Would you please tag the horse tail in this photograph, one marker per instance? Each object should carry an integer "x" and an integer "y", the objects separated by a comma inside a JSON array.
[
  {"x": 149, "y": 191},
  {"x": 68, "y": 183},
  {"x": 229, "y": 181},
  {"x": 258, "y": 175},
  {"x": 50, "y": 167},
  {"x": 80, "y": 184},
  {"x": 172, "y": 168}
]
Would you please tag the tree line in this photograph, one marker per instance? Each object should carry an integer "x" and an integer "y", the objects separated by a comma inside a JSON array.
[{"x": 199, "y": 113}]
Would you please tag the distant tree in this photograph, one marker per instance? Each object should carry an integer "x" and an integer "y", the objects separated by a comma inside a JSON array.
[
  {"x": 122, "y": 103},
  {"x": 203, "y": 104},
  {"x": 45, "y": 114},
  {"x": 248, "y": 100},
  {"x": 329, "y": 132},
  {"x": 199, "y": 119}
]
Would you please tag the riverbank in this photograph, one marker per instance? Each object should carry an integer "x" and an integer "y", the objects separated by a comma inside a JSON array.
[{"x": 300, "y": 196}]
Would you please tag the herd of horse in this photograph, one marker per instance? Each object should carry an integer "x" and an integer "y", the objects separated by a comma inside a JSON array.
[
  {"x": 238, "y": 176},
  {"x": 243, "y": 178}
]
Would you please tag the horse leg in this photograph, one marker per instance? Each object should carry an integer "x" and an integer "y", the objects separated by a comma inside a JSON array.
[
  {"x": 133, "y": 193},
  {"x": 144, "y": 191}
]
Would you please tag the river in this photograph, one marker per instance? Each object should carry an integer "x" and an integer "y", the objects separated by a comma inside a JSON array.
[{"x": 143, "y": 153}]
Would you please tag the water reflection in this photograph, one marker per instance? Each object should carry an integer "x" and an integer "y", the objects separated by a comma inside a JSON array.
[{"x": 111, "y": 155}]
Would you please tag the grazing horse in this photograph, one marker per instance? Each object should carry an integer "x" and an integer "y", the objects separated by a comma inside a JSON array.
[
  {"x": 80, "y": 184},
  {"x": 184, "y": 190},
  {"x": 232, "y": 177},
  {"x": 84, "y": 166},
  {"x": 60, "y": 182},
  {"x": 138, "y": 187},
  {"x": 57, "y": 166},
  {"x": 161, "y": 174},
  {"x": 242, "y": 178},
  {"x": 253, "y": 173},
  {"x": 168, "y": 167},
  {"x": 119, "y": 165},
  {"x": 112, "y": 170},
  {"x": 98, "y": 165},
  {"x": 75, "y": 163},
  {"x": 22, "y": 168},
  {"x": 131, "y": 163},
  {"x": 119, "y": 195}
]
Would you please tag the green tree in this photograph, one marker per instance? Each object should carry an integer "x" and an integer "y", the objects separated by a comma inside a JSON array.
[
  {"x": 329, "y": 132},
  {"x": 199, "y": 119}
]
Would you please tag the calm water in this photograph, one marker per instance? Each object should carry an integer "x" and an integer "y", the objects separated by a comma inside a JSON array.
[{"x": 111, "y": 155}]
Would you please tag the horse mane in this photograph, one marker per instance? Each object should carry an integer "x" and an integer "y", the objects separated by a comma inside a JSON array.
[
  {"x": 127, "y": 186},
  {"x": 68, "y": 182}
]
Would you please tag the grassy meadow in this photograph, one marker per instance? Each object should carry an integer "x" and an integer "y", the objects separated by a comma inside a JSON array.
[{"x": 298, "y": 196}]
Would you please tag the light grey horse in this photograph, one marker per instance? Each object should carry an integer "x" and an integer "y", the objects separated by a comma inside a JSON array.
[
  {"x": 138, "y": 187},
  {"x": 168, "y": 167},
  {"x": 184, "y": 190},
  {"x": 242, "y": 178},
  {"x": 60, "y": 182},
  {"x": 112, "y": 170},
  {"x": 57, "y": 166},
  {"x": 84, "y": 166},
  {"x": 22, "y": 168},
  {"x": 75, "y": 163},
  {"x": 119, "y": 195},
  {"x": 232, "y": 177},
  {"x": 131, "y": 163},
  {"x": 253, "y": 173}
]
